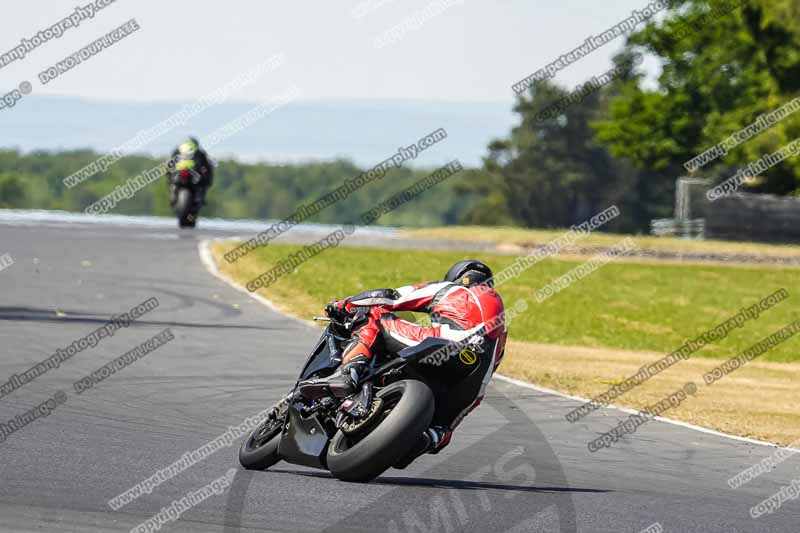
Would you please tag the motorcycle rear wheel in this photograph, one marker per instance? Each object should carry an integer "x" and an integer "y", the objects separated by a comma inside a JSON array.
[{"x": 408, "y": 408}]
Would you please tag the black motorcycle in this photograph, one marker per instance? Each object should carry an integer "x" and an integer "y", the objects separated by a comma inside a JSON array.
[
  {"x": 187, "y": 207},
  {"x": 359, "y": 436}
]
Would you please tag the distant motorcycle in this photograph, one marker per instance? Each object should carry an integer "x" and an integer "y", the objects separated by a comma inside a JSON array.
[
  {"x": 360, "y": 436},
  {"x": 186, "y": 180}
]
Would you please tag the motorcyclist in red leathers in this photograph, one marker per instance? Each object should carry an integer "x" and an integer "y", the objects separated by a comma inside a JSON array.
[{"x": 464, "y": 305}]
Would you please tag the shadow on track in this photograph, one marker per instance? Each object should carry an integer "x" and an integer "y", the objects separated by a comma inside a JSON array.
[
  {"x": 444, "y": 483},
  {"x": 517, "y": 484}
]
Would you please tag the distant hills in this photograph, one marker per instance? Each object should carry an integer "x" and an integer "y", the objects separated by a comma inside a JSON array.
[{"x": 366, "y": 132}]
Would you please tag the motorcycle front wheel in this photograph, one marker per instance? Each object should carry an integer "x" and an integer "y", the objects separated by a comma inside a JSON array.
[
  {"x": 187, "y": 218},
  {"x": 259, "y": 450},
  {"x": 407, "y": 411}
]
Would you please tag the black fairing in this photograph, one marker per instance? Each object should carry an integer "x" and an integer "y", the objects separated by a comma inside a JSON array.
[
  {"x": 423, "y": 349},
  {"x": 448, "y": 368},
  {"x": 305, "y": 441},
  {"x": 325, "y": 357}
]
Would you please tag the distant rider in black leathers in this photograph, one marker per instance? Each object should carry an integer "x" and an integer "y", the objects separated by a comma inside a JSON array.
[{"x": 188, "y": 154}]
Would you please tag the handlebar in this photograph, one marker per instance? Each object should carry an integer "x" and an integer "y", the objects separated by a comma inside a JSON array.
[{"x": 341, "y": 329}]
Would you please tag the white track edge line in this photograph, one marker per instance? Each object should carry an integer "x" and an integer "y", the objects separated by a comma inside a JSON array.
[
  {"x": 203, "y": 247},
  {"x": 208, "y": 262},
  {"x": 628, "y": 410}
]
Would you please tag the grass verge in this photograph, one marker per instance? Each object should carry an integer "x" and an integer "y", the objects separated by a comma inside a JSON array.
[{"x": 597, "y": 331}]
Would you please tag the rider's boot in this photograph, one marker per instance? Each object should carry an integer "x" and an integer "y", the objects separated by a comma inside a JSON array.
[{"x": 340, "y": 384}]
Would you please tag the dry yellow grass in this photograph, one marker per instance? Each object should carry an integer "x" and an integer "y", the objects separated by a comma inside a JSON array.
[{"x": 759, "y": 400}]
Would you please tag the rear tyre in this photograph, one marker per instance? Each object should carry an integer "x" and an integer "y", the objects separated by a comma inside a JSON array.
[
  {"x": 259, "y": 450},
  {"x": 408, "y": 407}
]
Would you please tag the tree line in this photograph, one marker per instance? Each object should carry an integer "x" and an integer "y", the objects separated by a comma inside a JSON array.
[
  {"x": 241, "y": 190},
  {"x": 620, "y": 138},
  {"x": 623, "y": 139}
]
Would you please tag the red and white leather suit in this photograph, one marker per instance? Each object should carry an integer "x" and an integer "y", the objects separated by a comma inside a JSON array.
[{"x": 456, "y": 312}]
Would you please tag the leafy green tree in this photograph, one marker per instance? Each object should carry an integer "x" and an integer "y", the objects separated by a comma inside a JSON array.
[
  {"x": 723, "y": 64},
  {"x": 551, "y": 171},
  {"x": 12, "y": 191}
]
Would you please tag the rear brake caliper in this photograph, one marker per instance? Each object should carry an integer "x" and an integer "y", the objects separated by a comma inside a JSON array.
[{"x": 356, "y": 412}]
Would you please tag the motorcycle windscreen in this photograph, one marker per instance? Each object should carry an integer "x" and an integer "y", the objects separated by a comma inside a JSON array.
[{"x": 324, "y": 359}]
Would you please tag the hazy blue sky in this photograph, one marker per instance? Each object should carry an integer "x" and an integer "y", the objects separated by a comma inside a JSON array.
[{"x": 474, "y": 50}]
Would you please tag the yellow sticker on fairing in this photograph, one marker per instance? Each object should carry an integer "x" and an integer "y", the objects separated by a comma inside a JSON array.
[{"x": 468, "y": 357}]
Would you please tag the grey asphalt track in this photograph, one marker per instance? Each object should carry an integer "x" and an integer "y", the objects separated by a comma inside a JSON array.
[{"x": 515, "y": 465}]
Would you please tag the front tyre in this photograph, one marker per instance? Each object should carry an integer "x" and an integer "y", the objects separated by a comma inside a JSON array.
[
  {"x": 408, "y": 408},
  {"x": 184, "y": 209},
  {"x": 259, "y": 450}
]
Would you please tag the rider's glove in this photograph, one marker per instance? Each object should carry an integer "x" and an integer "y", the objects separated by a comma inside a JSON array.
[{"x": 337, "y": 310}]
